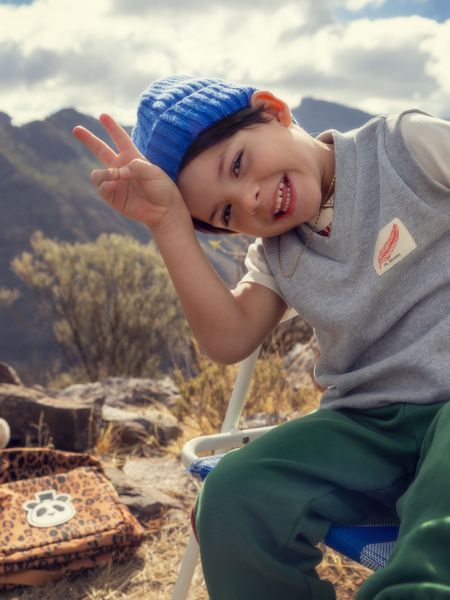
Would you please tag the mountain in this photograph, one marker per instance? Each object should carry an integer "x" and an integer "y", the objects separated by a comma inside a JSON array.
[
  {"x": 319, "y": 115},
  {"x": 44, "y": 185}
]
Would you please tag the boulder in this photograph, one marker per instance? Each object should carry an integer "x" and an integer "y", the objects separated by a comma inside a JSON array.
[
  {"x": 151, "y": 486},
  {"x": 166, "y": 473},
  {"x": 36, "y": 419},
  {"x": 72, "y": 418},
  {"x": 134, "y": 407},
  {"x": 9, "y": 375},
  {"x": 134, "y": 425},
  {"x": 121, "y": 392}
]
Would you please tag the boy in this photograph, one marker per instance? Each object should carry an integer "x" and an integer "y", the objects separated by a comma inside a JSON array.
[{"x": 353, "y": 231}]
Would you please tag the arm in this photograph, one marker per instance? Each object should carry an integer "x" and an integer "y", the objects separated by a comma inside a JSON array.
[
  {"x": 428, "y": 138},
  {"x": 228, "y": 325}
]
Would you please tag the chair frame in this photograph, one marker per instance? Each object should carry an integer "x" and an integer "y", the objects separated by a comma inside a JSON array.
[
  {"x": 377, "y": 539},
  {"x": 230, "y": 436}
]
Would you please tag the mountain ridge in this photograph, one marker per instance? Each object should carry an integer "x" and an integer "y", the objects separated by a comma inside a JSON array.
[{"x": 44, "y": 175}]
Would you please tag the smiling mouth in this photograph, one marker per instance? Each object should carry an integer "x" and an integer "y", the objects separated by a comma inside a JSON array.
[{"x": 283, "y": 200}]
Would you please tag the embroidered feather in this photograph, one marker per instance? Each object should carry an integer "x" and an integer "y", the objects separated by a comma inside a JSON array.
[{"x": 387, "y": 249}]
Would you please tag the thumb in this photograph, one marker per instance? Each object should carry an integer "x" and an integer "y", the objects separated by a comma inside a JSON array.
[
  {"x": 150, "y": 181},
  {"x": 139, "y": 168}
]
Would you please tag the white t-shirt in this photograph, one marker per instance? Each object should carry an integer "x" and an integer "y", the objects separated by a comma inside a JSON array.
[{"x": 427, "y": 137}]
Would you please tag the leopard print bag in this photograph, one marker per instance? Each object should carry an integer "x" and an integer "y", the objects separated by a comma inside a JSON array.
[{"x": 58, "y": 514}]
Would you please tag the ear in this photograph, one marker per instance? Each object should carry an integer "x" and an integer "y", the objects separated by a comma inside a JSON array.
[
  {"x": 63, "y": 498},
  {"x": 273, "y": 105}
]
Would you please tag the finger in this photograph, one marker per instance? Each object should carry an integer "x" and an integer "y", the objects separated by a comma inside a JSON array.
[
  {"x": 107, "y": 190},
  {"x": 104, "y": 153},
  {"x": 117, "y": 133},
  {"x": 98, "y": 176},
  {"x": 141, "y": 168}
]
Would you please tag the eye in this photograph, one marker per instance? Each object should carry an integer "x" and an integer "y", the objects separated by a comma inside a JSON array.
[
  {"x": 226, "y": 215},
  {"x": 236, "y": 166},
  {"x": 58, "y": 507},
  {"x": 41, "y": 511}
]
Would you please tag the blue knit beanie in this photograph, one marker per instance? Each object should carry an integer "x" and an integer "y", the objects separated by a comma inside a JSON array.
[{"x": 175, "y": 110}]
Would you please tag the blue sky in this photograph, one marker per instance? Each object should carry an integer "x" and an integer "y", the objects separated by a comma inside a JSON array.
[
  {"x": 438, "y": 10},
  {"x": 377, "y": 55}
]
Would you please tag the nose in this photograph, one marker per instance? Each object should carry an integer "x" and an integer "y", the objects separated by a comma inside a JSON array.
[{"x": 248, "y": 198}]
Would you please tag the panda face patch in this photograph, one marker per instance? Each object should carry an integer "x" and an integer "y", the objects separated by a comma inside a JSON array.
[{"x": 50, "y": 509}]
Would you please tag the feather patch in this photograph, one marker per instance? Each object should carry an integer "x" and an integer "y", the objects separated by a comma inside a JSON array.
[{"x": 388, "y": 248}]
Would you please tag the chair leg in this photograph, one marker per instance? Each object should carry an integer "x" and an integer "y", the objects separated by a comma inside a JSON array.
[{"x": 186, "y": 573}]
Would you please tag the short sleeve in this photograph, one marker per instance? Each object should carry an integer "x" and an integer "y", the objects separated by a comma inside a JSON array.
[
  {"x": 258, "y": 270},
  {"x": 428, "y": 138}
]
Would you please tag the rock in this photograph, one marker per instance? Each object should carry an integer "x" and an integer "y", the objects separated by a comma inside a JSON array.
[
  {"x": 127, "y": 428},
  {"x": 136, "y": 408},
  {"x": 72, "y": 418},
  {"x": 35, "y": 418},
  {"x": 9, "y": 375},
  {"x": 150, "y": 486},
  {"x": 134, "y": 426},
  {"x": 149, "y": 505},
  {"x": 121, "y": 391},
  {"x": 167, "y": 474}
]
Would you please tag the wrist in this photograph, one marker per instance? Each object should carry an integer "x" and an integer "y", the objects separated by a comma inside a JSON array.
[{"x": 175, "y": 225}]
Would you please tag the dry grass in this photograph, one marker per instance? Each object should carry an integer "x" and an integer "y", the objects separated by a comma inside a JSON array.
[
  {"x": 205, "y": 397},
  {"x": 152, "y": 574}
]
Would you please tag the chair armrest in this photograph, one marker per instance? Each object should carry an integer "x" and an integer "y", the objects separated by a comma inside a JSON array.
[{"x": 220, "y": 441}]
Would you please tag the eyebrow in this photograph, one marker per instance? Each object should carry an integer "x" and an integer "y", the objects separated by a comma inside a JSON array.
[
  {"x": 221, "y": 162},
  {"x": 219, "y": 176}
]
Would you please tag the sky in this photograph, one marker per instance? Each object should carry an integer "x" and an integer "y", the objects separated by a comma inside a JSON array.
[{"x": 380, "y": 56}]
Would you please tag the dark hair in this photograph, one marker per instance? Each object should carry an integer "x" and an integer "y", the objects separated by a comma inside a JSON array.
[{"x": 220, "y": 131}]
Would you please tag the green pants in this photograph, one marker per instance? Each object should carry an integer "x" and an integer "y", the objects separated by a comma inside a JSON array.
[{"x": 262, "y": 511}]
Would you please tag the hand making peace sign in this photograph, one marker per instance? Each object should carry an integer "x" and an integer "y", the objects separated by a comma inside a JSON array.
[{"x": 132, "y": 185}]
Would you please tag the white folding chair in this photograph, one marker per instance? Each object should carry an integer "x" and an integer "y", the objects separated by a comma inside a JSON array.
[{"x": 368, "y": 543}]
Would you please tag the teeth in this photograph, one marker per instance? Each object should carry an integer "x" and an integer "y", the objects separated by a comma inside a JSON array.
[{"x": 279, "y": 201}]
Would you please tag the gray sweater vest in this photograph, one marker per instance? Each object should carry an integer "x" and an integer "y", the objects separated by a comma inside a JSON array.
[{"x": 377, "y": 291}]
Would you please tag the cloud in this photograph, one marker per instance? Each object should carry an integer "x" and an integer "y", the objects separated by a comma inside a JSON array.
[
  {"x": 100, "y": 55},
  {"x": 390, "y": 61},
  {"x": 378, "y": 66},
  {"x": 141, "y": 7},
  {"x": 386, "y": 72},
  {"x": 16, "y": 67}
]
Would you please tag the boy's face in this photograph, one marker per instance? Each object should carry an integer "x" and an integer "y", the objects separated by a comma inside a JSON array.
[{"x": 262, "y": 181}]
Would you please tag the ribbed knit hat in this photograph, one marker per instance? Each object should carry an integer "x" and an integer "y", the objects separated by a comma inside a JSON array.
[{"x": 173, "y": 112}]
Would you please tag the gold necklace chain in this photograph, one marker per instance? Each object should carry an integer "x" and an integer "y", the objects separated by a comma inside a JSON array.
[{"x": 328, "y": 197}]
